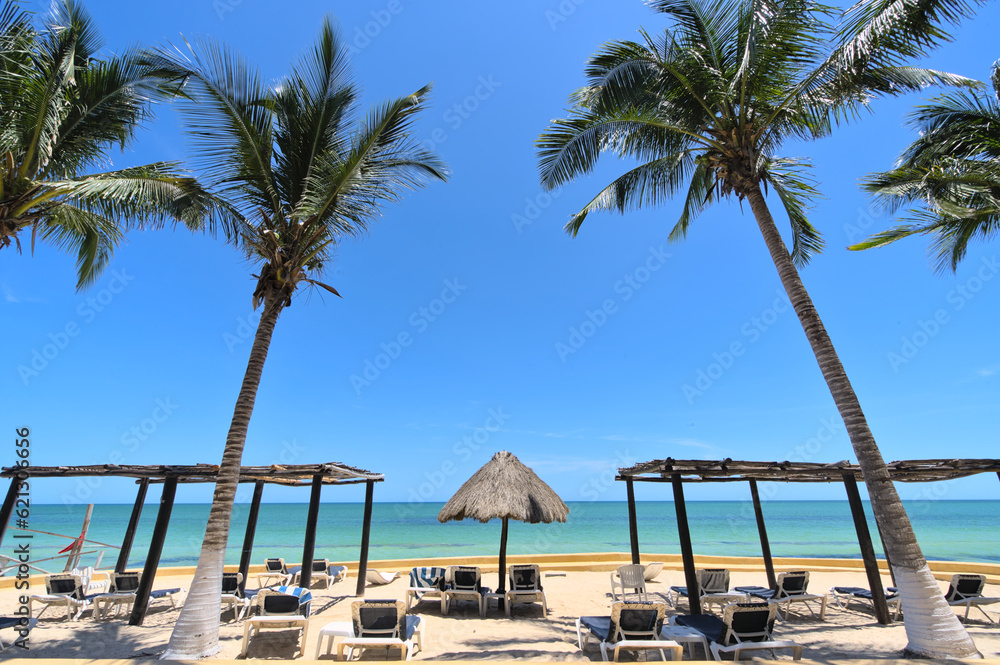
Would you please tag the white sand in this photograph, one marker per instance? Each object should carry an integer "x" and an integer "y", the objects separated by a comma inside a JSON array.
[{"x": 463, "y": 634}]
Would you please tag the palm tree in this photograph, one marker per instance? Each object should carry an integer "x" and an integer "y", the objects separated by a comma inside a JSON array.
[
  {"x": 64, "y": 108},
  {"x": 302, "y": 171},
  {"x": 710, "y": 104},
  {"x": 953, "y": 169}
]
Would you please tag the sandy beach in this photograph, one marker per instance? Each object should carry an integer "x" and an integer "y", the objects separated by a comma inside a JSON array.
[{"x": 844, "y": 634}]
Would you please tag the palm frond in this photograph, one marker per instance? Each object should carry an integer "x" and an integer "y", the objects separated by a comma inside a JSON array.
[
  {"x": 647, "y": 185},
  {"x": 796, "y": 192},
  {"x": 90, "y": 235}
]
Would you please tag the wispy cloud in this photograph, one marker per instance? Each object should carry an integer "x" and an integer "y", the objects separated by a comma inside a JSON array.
[
  {"x": 687, "y": 443},
  {"x": 571, "y": 464},
  {"x": 9, "y": 296},
  {"x": 988, "y": 371}
]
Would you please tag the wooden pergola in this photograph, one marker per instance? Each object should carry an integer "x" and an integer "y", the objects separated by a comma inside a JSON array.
[
  {"x": 313, "y": 476},
  {"x": 678, "y": 472}
]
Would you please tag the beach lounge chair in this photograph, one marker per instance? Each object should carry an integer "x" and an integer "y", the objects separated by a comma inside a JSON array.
[
  {"x": 14, "y": 629},
  {"x": 464, "y": 583},
  {"x": 320, "y": 571},
  {"x": 122, "y": 593},
  {"x": 743, "y": 627},
  {"x": 631, "y": 626},
  {"x": 382, "y": 624},
  {"x": 710, "y": 581},
  {"x": 62, "y": 590},
  {"x": 277, "y": 610},
  {"x": 652, "y": 570},
  {"x": 967, "y": 589},
  {"x": 275, "y": 572},
  {"x": 525, "y": 586},
  {"x": 377, "y": 577},
  {"x": 843, "y": 595},
  {"x": 232, "y": 597},
  {"x": 792, "y": 588},
  {"x": 426, "y": 583},
  {"x": 629, "y": 578}
]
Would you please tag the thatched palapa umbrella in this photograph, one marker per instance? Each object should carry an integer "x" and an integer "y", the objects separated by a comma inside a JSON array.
[{"x": 505, "y": 488}]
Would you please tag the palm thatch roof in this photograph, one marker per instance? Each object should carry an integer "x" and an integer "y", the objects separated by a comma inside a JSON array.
[{"x": 505, "y": 488}]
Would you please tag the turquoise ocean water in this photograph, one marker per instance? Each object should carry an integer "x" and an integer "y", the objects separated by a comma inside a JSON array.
[{"x": 947, "y": 530}]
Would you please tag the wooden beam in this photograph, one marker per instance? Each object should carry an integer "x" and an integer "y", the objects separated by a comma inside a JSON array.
[
  {"x": 141, "y": 603},
  {"x": 867, "y": 551},
  {"x": 258, "y": 490},
  {"x": 633, "y": 526},
  {"x": 8, "y": 503},
  {"x": 309, "y": 544},
  {"x": 687, "y": 553},
  {"x": 133, "y": 524},
  {"x": 765, "y": 546},
  {"x": 366, "y": 527}
]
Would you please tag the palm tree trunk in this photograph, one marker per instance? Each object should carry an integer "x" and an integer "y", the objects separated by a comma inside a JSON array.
[
  {"x": 932, "y": 628},
  {"x": 196, "y": 633}
]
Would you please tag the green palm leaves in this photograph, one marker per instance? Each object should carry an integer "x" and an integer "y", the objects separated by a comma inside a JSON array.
[
  {"x": 705, "y": 108},
  {"x": 300, "y": 166},
  {"x": 64, "y": 109},
  {"x": 952, "y": 170}
]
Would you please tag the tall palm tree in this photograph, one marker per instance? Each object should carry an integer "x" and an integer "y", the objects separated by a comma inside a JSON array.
[
  {"x": 303, "y": 171},
  {"x": 63, "y": 108},
  {"x": 709, "y": 104},
  {"x": 953, "y": 170}
]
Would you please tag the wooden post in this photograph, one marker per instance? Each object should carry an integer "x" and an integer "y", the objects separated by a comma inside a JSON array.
[
  {"x": 687, "y": 553},
  {"x": 309, "y": 546},
  {"x": 366, "y": 527},
  {"x": 765, "y": 546},
  {"x": 133, "y": 524},
  {"x": 867, "y": 551},
  {"x": 8, "y": 503},
  {"x": 633, "y": 526},
  {"x": 502, "y": 586},
  {"x": 155, "y": 549},
  {"x": 258, "y": 490}
]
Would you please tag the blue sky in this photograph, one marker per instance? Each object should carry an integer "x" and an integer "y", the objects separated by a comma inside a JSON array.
[{"x": 578, "y": 355}]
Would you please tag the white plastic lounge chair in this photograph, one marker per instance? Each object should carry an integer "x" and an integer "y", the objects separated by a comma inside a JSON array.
[
  {"x": 122, "y": 593},
  {"x": 464, "y": 583},
  {"x": 320, "y": 571},
  {"x": 631, "y": 626},
  {"x": 377, "y": 577},
  {"x": 275, "y": 572},
  {"x": 792, "y": 589},
  {"x": 426, "y": 583},
  {"x": 525, "y": 586},
  {"x": 967, "y": 589},
  {"x": 652, "y": 570},
  {"x": 629, "y": 578},
  {"x": 710, "y": 581},
  {"x": 62, "y": 590},
  {"x": 843, "y": 595},
  {"x": 232, "y": 597},
  {"x": 14, "y": 629},
  {"x": 743, "y": 627},
  {"x": 277, "y": 610},
  {"x": 382, "y": 624}
]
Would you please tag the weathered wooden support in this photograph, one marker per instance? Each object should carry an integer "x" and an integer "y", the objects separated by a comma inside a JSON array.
[
  {"x": 133, "y": 525},
  {"x": 687, "y": 552},
  {"x": 633, "y": 522},
  {"x": 155, "y": 550},
  {"x": 867, "y": 550},
  {"x": 366, "y": 528},
  {"x": 309, "y": 544},
  {"x": 765, "y": 545},
  {"x": 258, "y": 490}
]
